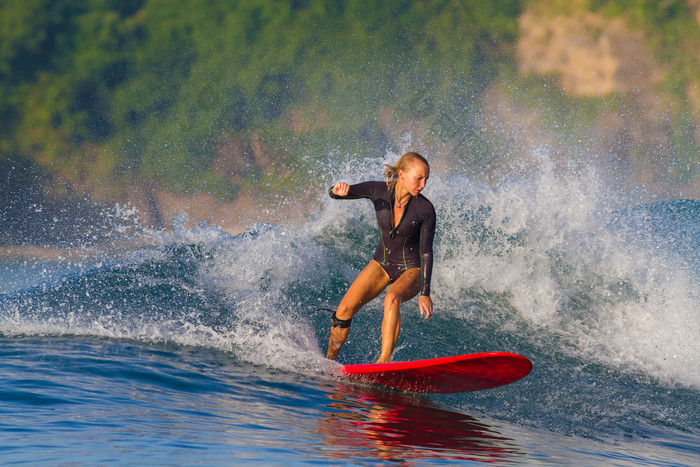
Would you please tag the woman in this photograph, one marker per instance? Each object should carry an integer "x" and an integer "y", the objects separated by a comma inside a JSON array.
[{"x": 404, "y": 257}]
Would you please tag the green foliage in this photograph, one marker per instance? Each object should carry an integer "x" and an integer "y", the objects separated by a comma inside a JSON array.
[
  {"x": 153, "y": 84},
  {"x": 131, "y": 90}
]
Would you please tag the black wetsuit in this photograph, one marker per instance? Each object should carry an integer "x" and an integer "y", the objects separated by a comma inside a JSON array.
[{"x": 410, "y": 243}]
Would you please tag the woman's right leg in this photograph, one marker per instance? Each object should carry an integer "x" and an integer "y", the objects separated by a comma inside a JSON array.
[{"x": 368, "y": 284}]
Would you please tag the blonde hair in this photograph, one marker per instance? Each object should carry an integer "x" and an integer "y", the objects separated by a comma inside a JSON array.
[{"x": 391, "y": 172}]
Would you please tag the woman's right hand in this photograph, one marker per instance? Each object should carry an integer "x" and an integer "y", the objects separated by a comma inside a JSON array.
[{"x": 341, "y": 189}]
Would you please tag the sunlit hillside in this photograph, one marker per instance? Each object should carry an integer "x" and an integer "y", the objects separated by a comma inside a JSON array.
[{"x": 203, "y": 105}]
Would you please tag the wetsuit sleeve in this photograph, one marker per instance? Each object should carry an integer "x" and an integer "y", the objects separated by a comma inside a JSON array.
[
  {"x": 427, "y": 234},
  {"x": 360, "y": 190}
]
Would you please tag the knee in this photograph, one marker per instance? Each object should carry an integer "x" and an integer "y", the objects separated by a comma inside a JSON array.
[
  {"x": 344, "y": 312},
  {"x": 391, "y": 299}
]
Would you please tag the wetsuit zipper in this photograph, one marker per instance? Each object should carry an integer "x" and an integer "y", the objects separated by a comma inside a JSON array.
[{"x": 394, "y": 228}]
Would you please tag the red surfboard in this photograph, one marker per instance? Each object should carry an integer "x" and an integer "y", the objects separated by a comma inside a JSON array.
[{"x": 444, "y": 375}]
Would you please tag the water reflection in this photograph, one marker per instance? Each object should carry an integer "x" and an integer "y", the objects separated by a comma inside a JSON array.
[{"x": 397, "y": 427}]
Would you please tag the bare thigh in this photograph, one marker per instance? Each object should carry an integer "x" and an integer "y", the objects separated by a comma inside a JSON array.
[
  {"x": 369, "y": 283},
  {"x": 405, "y": 288}
]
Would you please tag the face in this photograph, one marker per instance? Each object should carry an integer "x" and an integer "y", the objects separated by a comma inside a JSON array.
[{"x": 415, "y": 177}]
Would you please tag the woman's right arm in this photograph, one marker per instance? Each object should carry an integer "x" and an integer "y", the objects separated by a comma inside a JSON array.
[{"x": 342, "y": 190}]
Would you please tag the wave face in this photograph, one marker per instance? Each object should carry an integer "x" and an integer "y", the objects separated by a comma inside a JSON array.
[{"x": 602, "y": 296}]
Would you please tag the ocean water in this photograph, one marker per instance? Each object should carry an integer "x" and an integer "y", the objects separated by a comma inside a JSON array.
[{"x": 194, "y": 346}]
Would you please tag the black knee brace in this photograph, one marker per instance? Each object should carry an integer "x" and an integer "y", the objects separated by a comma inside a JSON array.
[{"x": 340, "y": 323}]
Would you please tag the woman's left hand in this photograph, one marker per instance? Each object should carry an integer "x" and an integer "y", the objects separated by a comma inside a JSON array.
[{"x": 425, "y": 305}]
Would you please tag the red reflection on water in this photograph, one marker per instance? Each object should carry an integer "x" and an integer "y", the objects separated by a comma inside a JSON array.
[{"x": 396, "y": 427}]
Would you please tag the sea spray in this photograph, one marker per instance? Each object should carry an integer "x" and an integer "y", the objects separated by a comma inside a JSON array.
[
  {"x": 547, "y": 261},
  {"x": 558, "y": 248}
]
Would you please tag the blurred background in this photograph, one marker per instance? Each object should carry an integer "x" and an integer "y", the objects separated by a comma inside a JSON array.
[{"x": 221, "y": 108}]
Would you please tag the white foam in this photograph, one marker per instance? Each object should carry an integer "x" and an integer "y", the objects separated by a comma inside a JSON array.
[
  {"x": 571, "y": 271},
  {"x": 547, "y": 242},
  {"x": 550, "y": 244}
]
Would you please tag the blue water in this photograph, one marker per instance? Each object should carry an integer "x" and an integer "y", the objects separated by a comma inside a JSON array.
[{"x": 190, "y": 345}]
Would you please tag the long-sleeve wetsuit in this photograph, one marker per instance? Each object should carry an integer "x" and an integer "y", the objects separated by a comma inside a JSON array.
[{"x": 406, "y": 245}]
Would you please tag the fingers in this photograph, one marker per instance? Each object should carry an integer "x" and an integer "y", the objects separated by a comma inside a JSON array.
[
  {"x": 425, "y": 305},
  {"x": 341, "y": 189}
]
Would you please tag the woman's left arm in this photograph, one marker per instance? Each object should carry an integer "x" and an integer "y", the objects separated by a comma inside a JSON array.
[{"x": 427, "y": 233}]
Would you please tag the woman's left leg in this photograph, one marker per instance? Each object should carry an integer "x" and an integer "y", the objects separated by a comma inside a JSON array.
[{"x": 405, "y": 288}]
